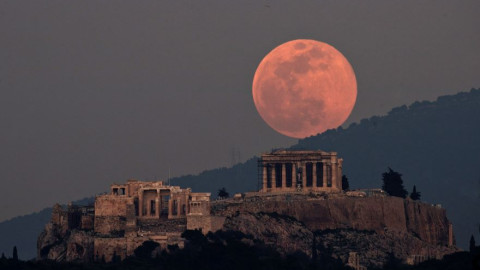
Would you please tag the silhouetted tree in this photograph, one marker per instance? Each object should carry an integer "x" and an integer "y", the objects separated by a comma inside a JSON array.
[
  {"x": 145, "y": 250},
  {"x": 222, "y": 193},
  {"x": 15, "y": 254},
  {"x": 393, "y": 184},
  {"x": 392, "y": 262},
  {"x": 415, "y": 195},
  {"x": 195, "y": 238},
  {"x": 115, "y": 258},
  {"x": 3, "y": 257},
  {"x": 345, "y": 184},
  {"x": 472, "y": 244}
]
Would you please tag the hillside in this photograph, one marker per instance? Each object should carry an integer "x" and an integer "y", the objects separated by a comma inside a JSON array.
[{"x": 434, "y": 145}]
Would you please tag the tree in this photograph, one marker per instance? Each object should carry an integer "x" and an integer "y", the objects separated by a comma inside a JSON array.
[
  {"x": 345, "y": 184},
  {"x": 415, "y": 195},
  {"x": 393, "y": 184},
  {"x": 222, "y": 193},
  {"x": 392, "y": 262},
  {"x": 15, "y": 254},
  {"x": 115, "y": 258},
  {"x": 472, "y": 244},
  {"x": 145, "y": 250}
]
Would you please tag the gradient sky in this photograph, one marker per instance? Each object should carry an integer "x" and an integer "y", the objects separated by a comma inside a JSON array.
[{"x": 93, "y": 92}]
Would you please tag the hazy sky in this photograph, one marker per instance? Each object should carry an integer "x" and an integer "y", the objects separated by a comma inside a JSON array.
[{"x": 93, "y": 92}]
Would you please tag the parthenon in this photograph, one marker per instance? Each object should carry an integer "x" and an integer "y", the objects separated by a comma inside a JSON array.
[{"x": 307, "y": 171}]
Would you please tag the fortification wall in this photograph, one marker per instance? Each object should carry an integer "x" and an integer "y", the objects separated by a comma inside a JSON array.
[
  {"x": 106, "y": 248},
  {"x": 111, "y": 214},
  {"x": 205, "y": 223},
  {"x": 110, "y": 225},
  {"x": 112, "y": 205}
]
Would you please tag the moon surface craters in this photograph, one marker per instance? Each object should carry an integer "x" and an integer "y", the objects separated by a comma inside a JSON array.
[{"x": 304, "y": 87}]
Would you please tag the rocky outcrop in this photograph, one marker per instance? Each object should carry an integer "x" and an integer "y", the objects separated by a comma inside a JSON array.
[
  {"x": 332, "y": 225},
  {"x": 373, "y": 249},
  {"x": 60, "y": 245},
  {"x": 67, "y": 237},
  {"x": 284, "y": 233},
  {"x": 428, "y": 223},
  {"x": 288, "y": 235},
  {"x": 335, "y": 225}
]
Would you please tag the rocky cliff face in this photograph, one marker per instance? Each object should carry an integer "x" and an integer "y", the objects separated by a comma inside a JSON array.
[
  {"x": 318, "y": 225},
  {"x": 67, "y": 237},
  {"x": 427, "y": 222},
  {"x": 56, "y": 243},
  {"x": 372, "y": 227}
]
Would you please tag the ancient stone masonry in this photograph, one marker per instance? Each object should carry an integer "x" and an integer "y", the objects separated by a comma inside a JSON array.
[
  {"x": 354, "y": 261},
  {"x": 308, "y": 171},
  {"x": 122, "y": 220},
  {"x": 300, "y": 203}
]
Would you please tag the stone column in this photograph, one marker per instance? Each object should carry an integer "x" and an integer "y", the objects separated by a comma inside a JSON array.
[
  {"x": 140, "y": 203},
  {"x": 264, "y": 175},
  {"x": 294, "y": 176},
  {"x": 274, "y": 178},
  {"x": 304, "y": 176},
  {"x": 149, "y": 208},
  {"x": 314, "y": 175},
  {"x": 170, "y": 207},
  {"x": 179, "y": 207},
  {"x": 284, "y": 176},
  {"x": 334, "y": 175},
  {"x": 324, "y": 178},
  {"x": 157, "y": 204}
]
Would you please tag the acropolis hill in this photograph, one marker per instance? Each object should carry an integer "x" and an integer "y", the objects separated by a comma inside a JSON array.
[{"x": 301, "y": 202}]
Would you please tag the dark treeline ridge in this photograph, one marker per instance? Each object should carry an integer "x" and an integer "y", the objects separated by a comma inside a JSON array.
[{"x": 231, "y": 250}]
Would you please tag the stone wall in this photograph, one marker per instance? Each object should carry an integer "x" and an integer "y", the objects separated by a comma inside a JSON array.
[
  {"x": 87, "y": 223},
  {"x": 105, "y": 248},
  {"x": 205, "y": 223},
  {"x": 112, "y": 205},
  {"x": 110, "y": 225},
  {"x": 110, "y": 214},
  {"x": 80, "y": 247}
]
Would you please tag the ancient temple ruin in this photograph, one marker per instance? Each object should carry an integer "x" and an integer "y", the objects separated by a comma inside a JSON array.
[
  {"x": 308, "y": 171},
  {"x": 303, "y": 185},
  {"x": 129, "y": 215}
]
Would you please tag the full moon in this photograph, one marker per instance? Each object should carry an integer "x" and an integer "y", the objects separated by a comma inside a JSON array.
[{"x": 304, "y": 87}]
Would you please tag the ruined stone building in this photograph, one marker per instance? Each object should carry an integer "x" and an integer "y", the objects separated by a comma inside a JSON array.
[
  {"x": 316, "y": 171},
  {"x": 300, "y": 194},
  {"x": 129, "y": 215}
]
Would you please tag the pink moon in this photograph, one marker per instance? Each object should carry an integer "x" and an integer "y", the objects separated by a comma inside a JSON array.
[{"x": 304, "y": 87}]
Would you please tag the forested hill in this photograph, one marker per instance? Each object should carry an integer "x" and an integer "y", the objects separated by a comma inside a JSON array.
[{"x": 435, "y": 145}]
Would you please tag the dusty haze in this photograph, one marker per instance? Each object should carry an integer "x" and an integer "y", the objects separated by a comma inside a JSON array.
[{"x": 94, "y": 92}]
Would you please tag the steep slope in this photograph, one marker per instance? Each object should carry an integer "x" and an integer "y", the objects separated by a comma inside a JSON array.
[
  {"x": 435, "y": 145},
  {"x": 335, "y": 225}
]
